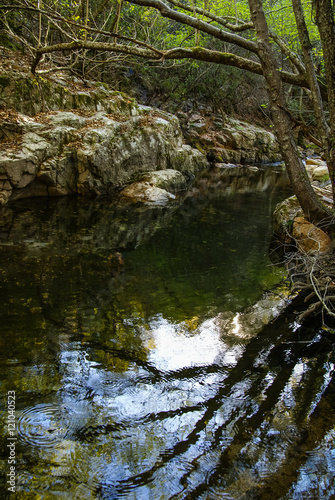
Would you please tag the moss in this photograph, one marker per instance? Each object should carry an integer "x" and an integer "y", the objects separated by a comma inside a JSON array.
[
  {"x": 104, "y": 85},
  {"x": 200, "y": 148},
  {"x": 5, "y": 81},
  {"x": 8, "y": 43},
  {"x": 82, "y": 100}
]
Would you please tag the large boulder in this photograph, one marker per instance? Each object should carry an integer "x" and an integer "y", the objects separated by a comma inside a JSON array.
[
  {"x": 92, "y": 152},
  {"x": 170, "y": 180},
  {"x": 147, "y": 193},
  {"x": 291, "y": 227},
  {"x": 308, "y": 237},
  {"x": 283, "y": 217},
  {"x": 156, "y": 187}
]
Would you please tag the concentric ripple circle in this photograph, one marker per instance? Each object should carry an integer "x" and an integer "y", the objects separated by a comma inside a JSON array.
[{"x": 41, "y": 425}]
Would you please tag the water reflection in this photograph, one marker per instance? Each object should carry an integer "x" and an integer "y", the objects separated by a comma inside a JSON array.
[
  {"x": 176, "y": 346},
  {"x": 156, "y": 379}
]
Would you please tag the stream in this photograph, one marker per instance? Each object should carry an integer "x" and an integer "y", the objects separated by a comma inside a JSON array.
[{"x": 136, "y": 361}]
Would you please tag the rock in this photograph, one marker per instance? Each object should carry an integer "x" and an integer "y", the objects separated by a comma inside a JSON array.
[
  {"x": 195, "y": 117},
  {"x": 10, "y": 130},
  {"x": 225, "y": 155},
  {"x": 320, "y": 173},
  {"x": 32, "y": 190},
  {"x": 113, "y": 155},
  {"x": 199, "y": 127},
  {"x": 233, "y": 141},
  {"x": 156, "y": 187},
  {"x": 144, "y": 192},
  {"x": 35, "y": 146},
  {"x": 4, "y": 196},
  {"x": 310, "y": 169},
  {"x": 187, "y": 160},
  {"x": 68, "y": 119},
  {"x": 98, "y": 153},
  {"x": 24, "y": 94},
  {"x": 314, "y": 161},
  {"x": 290, "y": 226},
  {"x": 308, "y": 237},
  {"x": 283, "y": 216},
  {"x": 317, "y": 170},
  {"x": 16, "y": 167},
  {"x": 225, "y": 165},
  {"x": 170, "y": 180},
  {"x": 109, "y": 141}
]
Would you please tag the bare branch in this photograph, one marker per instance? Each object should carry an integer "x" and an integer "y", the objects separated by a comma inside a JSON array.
[
  {"x": 322, "y": 300},
  {"x": 196, "y": 53},
  {"x": 19, "y": 39},
  {"x": 313, "y": 273},
  {"x": 289, "y": 53},
  {"x": 166, "y": 11},
  {"x": 220, "y": 20}
]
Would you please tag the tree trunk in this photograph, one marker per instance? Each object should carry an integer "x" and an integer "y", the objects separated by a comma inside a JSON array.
[
  {"x": 312, "y": 206},
  {"x": 324, "y": 18},
  {"x": 310, "y": 71}
]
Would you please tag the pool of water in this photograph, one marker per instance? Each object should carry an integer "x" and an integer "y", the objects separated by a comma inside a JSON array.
[{"x": 128, "y": 341}]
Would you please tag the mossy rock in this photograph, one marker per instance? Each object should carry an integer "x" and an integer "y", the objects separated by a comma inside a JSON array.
[
  {"x": 283, "y": 217},
  {"x": 29, "y": 96}
]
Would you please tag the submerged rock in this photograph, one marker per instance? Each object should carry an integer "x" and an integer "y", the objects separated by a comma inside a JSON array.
[{"x": 250, "y": 322}]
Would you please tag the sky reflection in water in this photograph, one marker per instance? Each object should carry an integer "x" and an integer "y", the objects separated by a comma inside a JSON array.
[{"x": 151, "y": 381}]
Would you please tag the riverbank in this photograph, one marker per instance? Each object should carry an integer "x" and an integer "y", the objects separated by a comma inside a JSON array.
[{"x": 60, "y": 136}]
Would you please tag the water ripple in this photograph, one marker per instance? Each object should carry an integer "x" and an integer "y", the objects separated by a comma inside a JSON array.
[{"x": 41, "y": 426}]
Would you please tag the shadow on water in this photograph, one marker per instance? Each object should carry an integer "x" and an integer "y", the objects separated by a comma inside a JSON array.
[{"x": 147, "y": 379}]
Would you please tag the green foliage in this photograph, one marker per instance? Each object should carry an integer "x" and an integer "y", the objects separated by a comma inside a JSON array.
[
  {"x": 281, "y": 21},
  {"x": 166, "y": 81}
]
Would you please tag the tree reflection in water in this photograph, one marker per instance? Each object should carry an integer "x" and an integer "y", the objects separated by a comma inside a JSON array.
[{"x": 132, "y": 384}]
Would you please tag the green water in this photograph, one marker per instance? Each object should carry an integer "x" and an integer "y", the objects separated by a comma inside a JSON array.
[{"x": 127, "y": 382}]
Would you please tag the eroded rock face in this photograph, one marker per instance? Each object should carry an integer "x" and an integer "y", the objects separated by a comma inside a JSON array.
[
  {"x": 62, "y": 153},
  {"x": 232, "y": 141},
  {"x": 27, "y": 95}
]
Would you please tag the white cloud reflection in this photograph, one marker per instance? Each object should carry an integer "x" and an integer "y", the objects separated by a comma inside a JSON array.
[{"x": 175, "y": 346}]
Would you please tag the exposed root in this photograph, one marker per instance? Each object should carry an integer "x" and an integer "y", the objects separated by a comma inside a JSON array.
[{"x": 313, "y": 273}]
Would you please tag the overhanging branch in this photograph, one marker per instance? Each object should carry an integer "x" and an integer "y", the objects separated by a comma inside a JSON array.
[
  {"x": 198, "y": 24},
  {"x": 195, "y": 53},
  {"x": 220, "y": 20}
]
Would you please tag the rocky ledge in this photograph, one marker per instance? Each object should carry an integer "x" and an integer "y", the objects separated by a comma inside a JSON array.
[
  {"x": 90, "y": 152},
  {"x": 59, "y": 137},
  {"x": 228, "y": 140}
]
